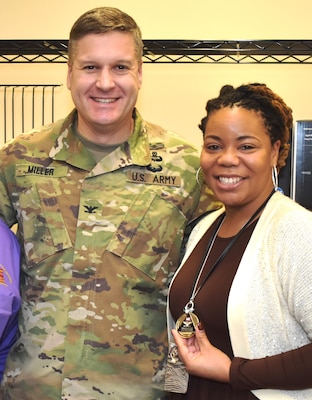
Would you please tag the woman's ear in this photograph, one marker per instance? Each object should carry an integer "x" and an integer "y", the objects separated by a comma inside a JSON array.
[{"x": 275, "y": 152}]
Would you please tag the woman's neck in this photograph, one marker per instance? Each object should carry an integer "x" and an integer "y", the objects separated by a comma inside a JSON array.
[{"x": 237, "y": 217}]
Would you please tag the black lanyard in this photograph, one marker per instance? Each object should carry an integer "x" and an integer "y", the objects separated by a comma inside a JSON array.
[{"x": 190, "y": 305}]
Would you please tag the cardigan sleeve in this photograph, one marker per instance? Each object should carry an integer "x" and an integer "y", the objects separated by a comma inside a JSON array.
[
  {"x": 290, "y": 370},
  {"x": 286, "y": 227}
]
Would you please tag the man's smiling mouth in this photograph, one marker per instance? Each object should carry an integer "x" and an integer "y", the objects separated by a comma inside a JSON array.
[{"x": 104, "y": 101}]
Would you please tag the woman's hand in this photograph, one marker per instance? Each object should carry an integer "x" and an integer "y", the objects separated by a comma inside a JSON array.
[{"x": 201, "y": 358}]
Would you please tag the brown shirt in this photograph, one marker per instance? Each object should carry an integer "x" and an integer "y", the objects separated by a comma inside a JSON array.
[{"x": 211, "y": 307}]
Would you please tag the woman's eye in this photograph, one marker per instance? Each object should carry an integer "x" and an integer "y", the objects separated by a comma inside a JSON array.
[
  {"x": 213, "y": 147},
  {"x": 247, "y": 147}
]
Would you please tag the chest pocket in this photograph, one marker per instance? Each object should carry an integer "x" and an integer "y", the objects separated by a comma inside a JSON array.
[
  {"x": 146, "y": 235},
  {"x": 43, "y": 225}
]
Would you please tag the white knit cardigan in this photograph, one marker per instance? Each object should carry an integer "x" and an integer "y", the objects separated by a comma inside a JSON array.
[{"x": 270, "y": 301}]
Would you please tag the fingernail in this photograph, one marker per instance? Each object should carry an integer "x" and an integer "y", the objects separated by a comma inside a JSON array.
[{"x": 200, "y": 326}]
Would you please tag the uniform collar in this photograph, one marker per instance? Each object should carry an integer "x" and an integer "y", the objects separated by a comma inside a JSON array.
[{"x": 69, "y": 148}]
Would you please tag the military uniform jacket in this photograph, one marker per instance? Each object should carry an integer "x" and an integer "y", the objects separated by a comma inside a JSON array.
[{"x": 99, "y": 242}]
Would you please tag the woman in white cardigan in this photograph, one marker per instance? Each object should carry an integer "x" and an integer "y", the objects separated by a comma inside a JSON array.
[{"x": 240, "y": 304}]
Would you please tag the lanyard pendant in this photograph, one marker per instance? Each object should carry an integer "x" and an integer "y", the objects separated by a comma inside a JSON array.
[{"x": 186, "y": 324}]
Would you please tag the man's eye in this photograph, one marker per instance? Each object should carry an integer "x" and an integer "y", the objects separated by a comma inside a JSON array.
[{"x": 122, "y": 68}]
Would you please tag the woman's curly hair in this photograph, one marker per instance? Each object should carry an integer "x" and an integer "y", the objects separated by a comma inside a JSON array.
[{"x": 277, "y": 116}]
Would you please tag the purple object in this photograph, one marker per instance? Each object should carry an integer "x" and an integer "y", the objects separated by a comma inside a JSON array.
[{"x": 10, "y": 300}]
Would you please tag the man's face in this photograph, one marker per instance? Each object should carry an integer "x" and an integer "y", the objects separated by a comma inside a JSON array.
[{"x": 104, "y": 79}]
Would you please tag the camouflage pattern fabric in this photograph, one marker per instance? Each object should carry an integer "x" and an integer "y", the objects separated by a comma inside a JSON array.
[{"x": 100, "y": 243}]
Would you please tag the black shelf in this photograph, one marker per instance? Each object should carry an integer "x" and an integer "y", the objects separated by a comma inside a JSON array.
[{"x": 173, "y": 51}]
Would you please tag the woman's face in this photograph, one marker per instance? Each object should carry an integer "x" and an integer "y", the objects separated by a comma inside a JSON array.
[{"x": 237, "y": 157}]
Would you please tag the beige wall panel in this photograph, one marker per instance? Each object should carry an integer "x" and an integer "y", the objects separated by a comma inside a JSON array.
[
  {"x": 163, "y": 19},
  {"x": 173, "y": 95}
]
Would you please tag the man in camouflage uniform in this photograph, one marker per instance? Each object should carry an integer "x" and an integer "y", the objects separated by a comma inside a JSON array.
[{"x": 101, "y": 200}]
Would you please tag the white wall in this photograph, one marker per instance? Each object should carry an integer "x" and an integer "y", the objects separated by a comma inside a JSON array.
[
  {"x": 163, "y": 19},
  {"x": 174, "y": 95}
]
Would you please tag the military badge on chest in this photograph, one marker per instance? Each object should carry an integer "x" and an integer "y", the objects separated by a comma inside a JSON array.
[
  {"x": 155, "y": 173},
  {"x": 156, "y": 160}
]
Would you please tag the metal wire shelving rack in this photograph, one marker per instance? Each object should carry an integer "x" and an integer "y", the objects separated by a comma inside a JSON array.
[{"x": 173, "y": 51}]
